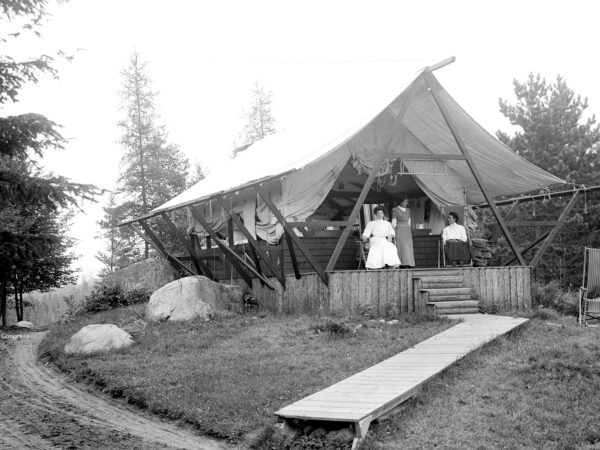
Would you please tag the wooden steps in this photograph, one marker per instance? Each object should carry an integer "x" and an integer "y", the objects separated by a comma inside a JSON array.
[{"x": 447, "y": 292}]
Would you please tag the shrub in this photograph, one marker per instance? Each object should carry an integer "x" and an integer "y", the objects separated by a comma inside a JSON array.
[
  {"x": 108, "y": 296},
  {"x": 551, "y": 295}
]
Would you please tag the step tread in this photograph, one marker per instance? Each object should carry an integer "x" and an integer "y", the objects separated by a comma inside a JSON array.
[
  {"x": 450, "y": 298},
  {"x": 444, "y": 312},
  {"x": 456, "y": 304},
  {"x": 446, "y": 291}
]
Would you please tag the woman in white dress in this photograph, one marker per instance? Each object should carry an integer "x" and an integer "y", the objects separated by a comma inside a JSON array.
[{"x": 382, "y": 252}]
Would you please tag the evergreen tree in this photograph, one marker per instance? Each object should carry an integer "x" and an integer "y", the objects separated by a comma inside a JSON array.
[
  {"x": 554, "y": 133},
  {"x": 259, "y": 120},
  {"x": 24, "y": 189},
  {"x": 120, "y": 250},
  {"x": 152, "y": 171},
  {"x": 49, "y": 265}
]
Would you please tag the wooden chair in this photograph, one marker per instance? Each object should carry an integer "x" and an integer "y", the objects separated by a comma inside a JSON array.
[
  {"x": 361, "y": 253},
  {"x": 589, "y": 292}
]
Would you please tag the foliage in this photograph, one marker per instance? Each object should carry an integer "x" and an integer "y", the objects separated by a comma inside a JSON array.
[
  {"x": 33, "y": 255},
  {"x": 120, "y": 250},
  {"x": 260, "y": 121},
  {"x": 553, "y": 132},
  {"x": 110, "y": 296},
  {"x": 198, "y": 172},
  {"x": 152, "y": 170},
  {"x": 551, "y": 295}
]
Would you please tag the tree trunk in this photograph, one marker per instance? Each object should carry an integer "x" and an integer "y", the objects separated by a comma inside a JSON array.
[
  {"x": 18, "y": 306},
  {"x": 21, "y": 301},
  {"x": 3, "y": 294}
]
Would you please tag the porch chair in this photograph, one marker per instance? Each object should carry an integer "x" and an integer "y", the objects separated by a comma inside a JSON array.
[
  {"x": 589, "y": 292},
  {"x": 361, "y": 253}
]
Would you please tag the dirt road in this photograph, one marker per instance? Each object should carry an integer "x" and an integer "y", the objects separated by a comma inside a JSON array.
[{"x": 39, "y": 409}]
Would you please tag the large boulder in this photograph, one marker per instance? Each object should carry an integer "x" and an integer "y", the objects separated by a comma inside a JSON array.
[
  {"x": 98, "y": 338},
  {"x": 24, "y": 324},
  {"x": 191, "y": 297}
]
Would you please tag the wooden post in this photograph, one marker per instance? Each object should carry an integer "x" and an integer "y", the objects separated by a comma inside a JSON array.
[
  {"x": 434, "y": 86},
  {"x": 293, "y": 259},
  {"x": 526, "y": 249},
  {"x": 201, "y": 267},
  {"x": 291, "y": 236},
  {"x": 508, "y": 216},
  {"x": 561, "y": 221},
  {"x": 253, "y": 243},
  {"x": 153, "y": 241},
  {"x": 237, "y": 262},
  {"x": 383, "y": 152}
]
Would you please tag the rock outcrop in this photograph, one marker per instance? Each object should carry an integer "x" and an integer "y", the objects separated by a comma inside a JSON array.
[
  {"x": 98, "y": 338},
  {"x": 192, "y": 297}
]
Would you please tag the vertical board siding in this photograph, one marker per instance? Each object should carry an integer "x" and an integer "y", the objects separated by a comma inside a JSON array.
[{"x": 358, "y": 291}]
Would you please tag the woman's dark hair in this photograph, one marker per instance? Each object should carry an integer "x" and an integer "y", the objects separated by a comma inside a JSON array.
[
  {"x": 453, "y": 214},
  {"x": 377, "y": 209}
]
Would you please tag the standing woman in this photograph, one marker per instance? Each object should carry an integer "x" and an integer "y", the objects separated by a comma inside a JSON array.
[{"x": 401, "y": 224}]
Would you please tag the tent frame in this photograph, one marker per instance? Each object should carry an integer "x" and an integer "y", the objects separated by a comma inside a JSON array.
[{"x": 242, "y": 266}]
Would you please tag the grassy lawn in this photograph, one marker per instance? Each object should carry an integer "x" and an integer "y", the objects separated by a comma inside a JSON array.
[
  {"x": 226, "y": 377},
  {"x": 537, "y": 388}
]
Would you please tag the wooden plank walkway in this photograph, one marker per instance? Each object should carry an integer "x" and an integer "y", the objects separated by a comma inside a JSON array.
[{"x": 369, "y": 394}]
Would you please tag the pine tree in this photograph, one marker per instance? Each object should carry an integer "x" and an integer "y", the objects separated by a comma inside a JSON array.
[
  {"x": 259, "y": 120},
  {"x": 120, "y": 250},
  {"x": 152, "y": 171},
  {"x": 554, "y": 133}
]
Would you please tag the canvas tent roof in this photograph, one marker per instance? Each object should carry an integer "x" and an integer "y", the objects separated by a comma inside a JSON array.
[{"x": 301, "y": 168}]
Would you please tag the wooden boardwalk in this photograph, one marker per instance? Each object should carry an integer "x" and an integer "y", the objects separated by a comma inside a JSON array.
[{"x": 369, "y": 394}]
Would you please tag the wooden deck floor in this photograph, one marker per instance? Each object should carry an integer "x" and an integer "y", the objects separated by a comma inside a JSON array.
[{"x": 369, "y": 394}]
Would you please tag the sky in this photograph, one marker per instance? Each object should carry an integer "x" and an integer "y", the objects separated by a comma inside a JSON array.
[{"x": 325, "y": 62}]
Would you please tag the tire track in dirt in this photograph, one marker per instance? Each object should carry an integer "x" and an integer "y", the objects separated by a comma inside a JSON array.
[{"x": 39, "y": 409}]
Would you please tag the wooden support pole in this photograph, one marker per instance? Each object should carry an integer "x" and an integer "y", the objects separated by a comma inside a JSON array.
[
  {"x": 292, "y": 252},
  {"x": 256, "y": 261},
  {"x": 235, "y": 260},
  {"x": 153, "y": 241},
  {"x": 291, "y": 237},
  {"x": 508, "y": 216},
  {"x": 433, "y": 87},
  {"x": 383, "y": 152},
  {"x": 561, "y": 221},
  {"x": 253, "y": 243},
  {"x": 201, "y": 267},
  {"x": 526, "y": 249}
]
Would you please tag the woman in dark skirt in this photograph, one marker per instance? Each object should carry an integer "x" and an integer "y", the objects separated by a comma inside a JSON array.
[
  {"x": 402, "y": 226},
  {"x": 454, "y": 238}
]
